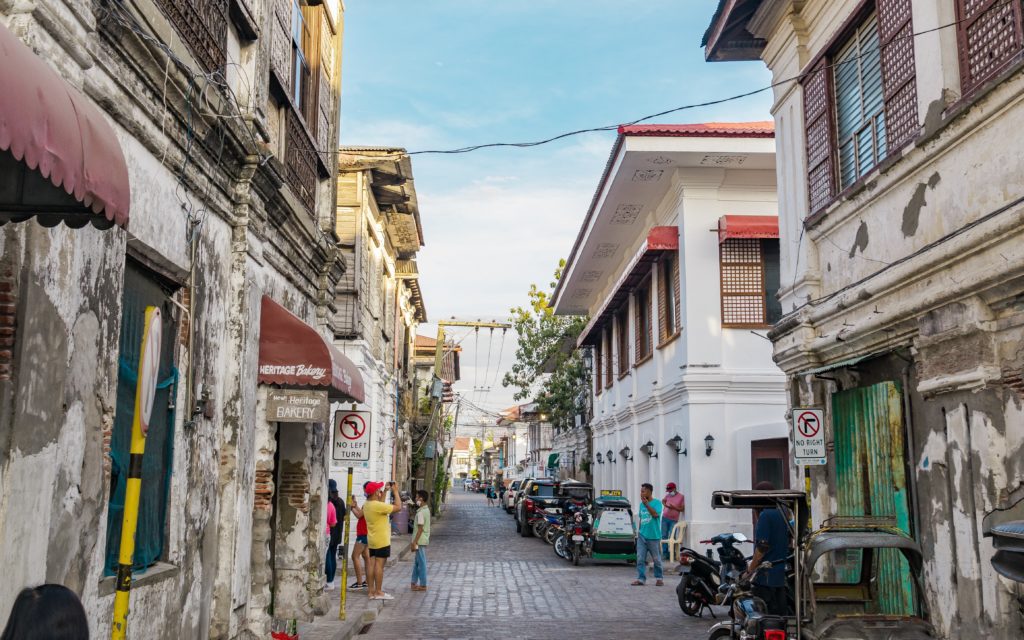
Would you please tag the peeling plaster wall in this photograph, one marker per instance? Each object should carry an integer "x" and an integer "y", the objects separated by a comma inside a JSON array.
[
  {"x": 916, "y": 257},
  {"x": 58, "y": 382}
]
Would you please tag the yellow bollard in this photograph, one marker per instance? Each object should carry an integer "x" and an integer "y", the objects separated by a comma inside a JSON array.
[
  {"x": 348, "y": 551},
  {"x": 145, "y": 389}
]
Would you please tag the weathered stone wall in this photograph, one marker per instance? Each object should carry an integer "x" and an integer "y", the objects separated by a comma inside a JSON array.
[{"x": 206, "y": 211}]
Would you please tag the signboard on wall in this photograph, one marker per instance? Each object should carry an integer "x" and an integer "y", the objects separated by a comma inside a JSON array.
[
  {"x": 351, "y": 436},
  {"x": 809, "y": 436},
  {"x": 297, "y": 405}
]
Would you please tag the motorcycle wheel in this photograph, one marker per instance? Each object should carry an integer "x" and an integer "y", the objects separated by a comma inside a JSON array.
[
  {"x": 720, "y": 634},
  {"x": 576, "y": 552},
  {"x": 688, "y": 601},
  {"x": 538, "y": 528},
  {"x": 550, "y": 534},
  {"x": 561, "y": 547}
]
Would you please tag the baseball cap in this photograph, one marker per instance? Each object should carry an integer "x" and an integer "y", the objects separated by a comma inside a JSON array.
[
  {"x": 670, "y": 486},
  {"x": 373, "y": 487}
]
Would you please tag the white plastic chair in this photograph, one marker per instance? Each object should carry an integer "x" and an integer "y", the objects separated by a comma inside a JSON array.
[{"x": 676, "y": 537}]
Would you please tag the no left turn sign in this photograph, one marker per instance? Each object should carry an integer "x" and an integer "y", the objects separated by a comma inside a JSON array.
[{"x": 351, "y": 437}]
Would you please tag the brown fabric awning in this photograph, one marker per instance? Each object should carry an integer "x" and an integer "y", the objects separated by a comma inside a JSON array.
[
  {"x": 60, "y": 160},
  {"x": 294, "y": 354},
  {"x": 733, "y": 226}
]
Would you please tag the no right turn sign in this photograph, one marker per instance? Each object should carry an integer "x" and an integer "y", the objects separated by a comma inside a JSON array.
[{"x": 809, "y": 436}]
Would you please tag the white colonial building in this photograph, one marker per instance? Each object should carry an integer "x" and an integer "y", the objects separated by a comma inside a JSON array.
[{"x": 677, "y": 266}]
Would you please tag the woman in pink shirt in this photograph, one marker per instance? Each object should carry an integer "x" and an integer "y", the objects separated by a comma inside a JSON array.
[{"x": 330, "y": 563}]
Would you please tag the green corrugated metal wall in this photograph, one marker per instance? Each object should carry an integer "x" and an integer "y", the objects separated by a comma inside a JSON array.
[{"x": 871, "y": 478}]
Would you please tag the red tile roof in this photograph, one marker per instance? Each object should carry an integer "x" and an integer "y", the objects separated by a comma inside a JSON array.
[
  {"x": 425, "y": 341},
  {"x": 761, "y": 129},
  {"x": 461, "y": 444}
]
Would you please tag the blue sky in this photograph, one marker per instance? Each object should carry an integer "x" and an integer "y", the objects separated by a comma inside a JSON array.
[{"x": 440, "y": 74}]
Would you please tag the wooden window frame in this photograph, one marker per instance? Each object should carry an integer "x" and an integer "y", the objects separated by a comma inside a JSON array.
[
  {"x": 606, "y": 336},
  {"x": 668, "y": 291},
  {"x": 724, "y": 283},
  {"x": 622, "y": 340},
  {"x": 899, "y": 84},
  {"x": 598, "y": 365},
  {"x": 303, "y": 65},
  {"x": 643, "y": 321},
  {"x": 987, "y": 14}
]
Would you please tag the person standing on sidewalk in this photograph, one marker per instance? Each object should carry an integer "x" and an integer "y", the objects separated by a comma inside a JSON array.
[
  {"x": 675, "y": 505},
  {"x": 378, "y": 525},
  {"x": 333, "y": 499},
  {"x": 360, "y": 552},
  {"x": 332, "y": 523},
  {"x": 648, "y": 541},
  {"x": 420, "y": 540}
]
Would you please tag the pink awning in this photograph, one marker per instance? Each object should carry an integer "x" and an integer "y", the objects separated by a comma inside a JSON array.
[
  {"x": 659, "y": 240},
  {"x": 733, "y": 226},
  {"x": 294, "y": 354},
  {"x": 54, "y": 131}
]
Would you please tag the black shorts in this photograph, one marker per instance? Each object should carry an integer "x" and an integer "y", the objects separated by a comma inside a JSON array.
[{"x": 383, "y": 552}]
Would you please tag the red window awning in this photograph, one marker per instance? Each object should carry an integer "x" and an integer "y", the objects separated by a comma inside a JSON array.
[
  {"x": 659, "y": 240},
  {"x": 59, "y": 158},
  {"x": 734, "y": 226},
  {"x": 294, "y": 354}
]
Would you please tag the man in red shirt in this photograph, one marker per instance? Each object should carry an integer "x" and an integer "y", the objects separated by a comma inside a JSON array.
[
  {"x": 360, "y": 551},
  {"x": 675, "y": 505}
]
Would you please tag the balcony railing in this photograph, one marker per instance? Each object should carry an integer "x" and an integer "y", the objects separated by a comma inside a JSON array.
[
  {"x": 300, "y": 161},
  {"x": 203, "y": 25}
]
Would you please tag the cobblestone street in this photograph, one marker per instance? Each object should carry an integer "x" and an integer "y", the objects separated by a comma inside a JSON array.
[{"x": 487, "y": 581}]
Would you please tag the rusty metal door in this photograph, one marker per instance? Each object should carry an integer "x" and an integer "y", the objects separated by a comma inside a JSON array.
[{"x": 871, "y": 479}]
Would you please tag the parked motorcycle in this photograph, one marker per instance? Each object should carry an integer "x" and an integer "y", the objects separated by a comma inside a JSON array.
[
  {"x": 579, "y": 526},
  {"x": 703, "y": 575},
  {"x": 748, "y": 616}
]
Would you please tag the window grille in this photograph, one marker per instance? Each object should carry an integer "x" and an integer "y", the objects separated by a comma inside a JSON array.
[
  {"x": 860, "y": 102},
  {"x": 300, "y": 161},
  {"x": 203, "y": 25},
  {"x": 990, "y": 36},
  {"x": 141, "y": 289},
  {"x": 742, "y": 279}
]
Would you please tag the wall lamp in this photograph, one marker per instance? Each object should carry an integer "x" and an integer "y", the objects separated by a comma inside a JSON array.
[
  {"x": 677, "y": 444},
  {"x": 625, "y": 453},
  {"x": 600, "y": 458},
  {"x": 709, "y": 444},
  {"x": 610, "y": 456},
  {"x": 648, "y": 448}
]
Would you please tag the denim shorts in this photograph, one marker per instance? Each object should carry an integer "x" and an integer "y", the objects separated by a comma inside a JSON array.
[{"x": 360, "y": 539}]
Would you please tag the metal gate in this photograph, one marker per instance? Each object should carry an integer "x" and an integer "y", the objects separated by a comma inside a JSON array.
[{"x": 871, "y": 479}]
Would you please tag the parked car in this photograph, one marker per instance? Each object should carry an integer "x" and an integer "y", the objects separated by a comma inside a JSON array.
[
  {"x": 510, "y": 495},
  {"x": 536, "y": 495}
]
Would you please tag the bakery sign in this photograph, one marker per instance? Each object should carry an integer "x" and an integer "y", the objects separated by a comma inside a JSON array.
[{"x": 297, "y": 405}]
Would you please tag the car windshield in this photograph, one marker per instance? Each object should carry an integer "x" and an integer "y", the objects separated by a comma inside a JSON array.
[
  {"x": 543, "y": 490},
  {"x": 515, "y": 485}
]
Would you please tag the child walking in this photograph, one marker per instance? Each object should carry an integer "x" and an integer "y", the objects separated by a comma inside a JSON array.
[{"x": 420, "y": 540}]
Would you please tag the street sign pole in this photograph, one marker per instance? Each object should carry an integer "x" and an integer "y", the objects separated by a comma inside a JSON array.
[
  {"x": 345, "y": 536},
  {"x": 145, "y": 390}
]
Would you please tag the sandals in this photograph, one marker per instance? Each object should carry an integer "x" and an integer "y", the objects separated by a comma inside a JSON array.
[{"x": 636, "y": 583}]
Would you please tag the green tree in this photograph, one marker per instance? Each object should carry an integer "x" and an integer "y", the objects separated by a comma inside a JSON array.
[{"x": 548, "y": 369}]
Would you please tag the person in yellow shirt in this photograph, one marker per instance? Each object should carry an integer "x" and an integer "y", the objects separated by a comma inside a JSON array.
[{"x": 378, "y": 525}]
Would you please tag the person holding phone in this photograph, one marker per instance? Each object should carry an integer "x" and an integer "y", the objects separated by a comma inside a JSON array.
[
  {"x": 648, "y": 542},
  {"x": 378, "y": 525}
]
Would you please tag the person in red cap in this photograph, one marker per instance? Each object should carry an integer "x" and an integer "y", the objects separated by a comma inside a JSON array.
[
  {"x": 378, "y": 526},
  {"x": 675, "y": 505}
]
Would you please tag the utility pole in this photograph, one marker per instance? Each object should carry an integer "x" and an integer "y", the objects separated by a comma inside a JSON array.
[{"x": 439, "y": 357}]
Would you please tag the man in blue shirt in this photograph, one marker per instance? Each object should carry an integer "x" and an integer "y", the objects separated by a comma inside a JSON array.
[
  {"x": 648, "y": 541},
  {"x": 772, "y": 545}
]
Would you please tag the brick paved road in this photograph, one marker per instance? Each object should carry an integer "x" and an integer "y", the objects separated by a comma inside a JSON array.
[{"x": 486, "y": 581}]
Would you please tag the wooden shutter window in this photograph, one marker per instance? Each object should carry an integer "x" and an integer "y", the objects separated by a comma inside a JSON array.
[
  {"x": 989, "y": 37},
  {"x": 597, "y": 367},
  {"x": 896, "y": 32},
  {"x": 742, "y": 280},
  {"x": 668, "y": 298},
  {"x": 622, "y": 330},
  {"x": 860, "y": 105},
  {"x": 821, "y": 179},
  {"x": 642, "y": 320},
  {"x": 607, "y": 339}
]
